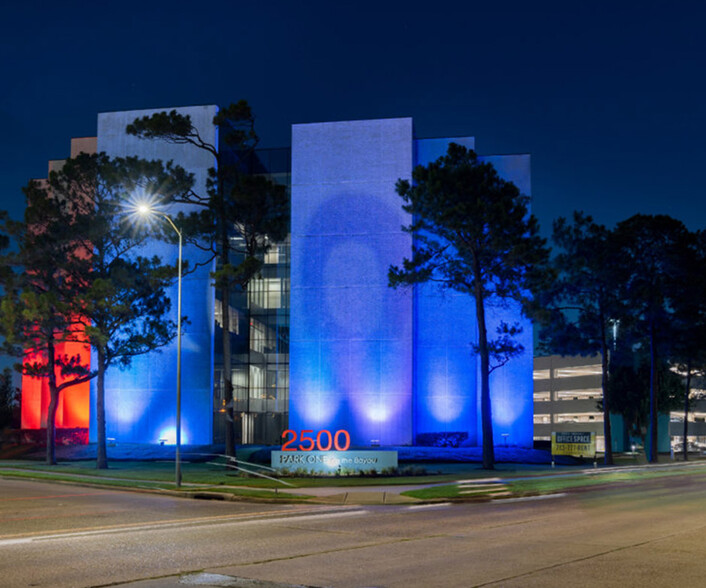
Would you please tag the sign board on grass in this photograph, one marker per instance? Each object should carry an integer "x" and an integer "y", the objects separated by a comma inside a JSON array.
[
  {"x": 334, "y": 462},
  {"x": 576, "y": 444}
]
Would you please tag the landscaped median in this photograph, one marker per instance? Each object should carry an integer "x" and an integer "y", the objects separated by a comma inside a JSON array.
[
  {"x": 462, "y": 483},
  {"x": 551, "y": 482},
  {"x": 214, "y": 480},
  {"x": 204, "y": 481}
]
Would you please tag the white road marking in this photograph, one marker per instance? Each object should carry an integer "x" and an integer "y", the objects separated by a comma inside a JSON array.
[
  {"x": 531, "y": 498},
  {"x": 230, "y": 520},
  {"x": 434, "y": 505}
]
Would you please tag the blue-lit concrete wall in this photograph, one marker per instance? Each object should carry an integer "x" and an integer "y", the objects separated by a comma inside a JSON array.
[
  {"x": 447, "y": 382},
  {"x": 378, "y": 362},
  {"x": 445, "y": 326},
  {"x": 141, "y": 401},
  {"x": 511, "y": 386},
  {"x": 351, "y": 335}
]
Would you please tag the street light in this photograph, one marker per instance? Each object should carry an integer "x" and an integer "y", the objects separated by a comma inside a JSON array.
[{"x": 145, "y": 211}]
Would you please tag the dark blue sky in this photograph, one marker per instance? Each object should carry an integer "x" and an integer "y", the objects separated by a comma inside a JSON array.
[{"x": 608, "y": 97}]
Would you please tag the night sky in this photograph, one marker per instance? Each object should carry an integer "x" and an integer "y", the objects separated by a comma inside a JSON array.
[{"x": 608, "y": 97}]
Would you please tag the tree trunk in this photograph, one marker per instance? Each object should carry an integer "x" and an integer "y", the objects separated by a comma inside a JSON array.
[
  {"x": 654, "y": 386},
  {"x": 247, "y": 424},
  {"x": 225, "y": 314},
  {"x": 227, "y": 374},
  {"x": 51, "y": 426},
  {"x": 485, "y": 404},
  {"x": 101, "y": 451},
  {"x": 607, "y": 429},
  {"x": 53, "y": 405},
  {"x": 685, "y": 452}
]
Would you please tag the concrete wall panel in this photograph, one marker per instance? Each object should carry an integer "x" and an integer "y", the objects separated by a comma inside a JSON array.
[
  {"x": 351, "y": 335},
  {"x": 141, "y": 401}
]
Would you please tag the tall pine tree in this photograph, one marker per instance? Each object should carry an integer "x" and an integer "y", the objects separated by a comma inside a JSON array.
[
  {"x": 239, "y": 202},
  {"x": 583, "y": 304},
  {"x": 80, "y": 276},
  {"x": 473, "y": 233}
]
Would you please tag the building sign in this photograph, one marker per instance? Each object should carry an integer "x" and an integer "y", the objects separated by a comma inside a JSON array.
[
  {"x": 311, "y": 440},
  {"x": 576, "y": 444},
  {"x": 333, "y": 463}
]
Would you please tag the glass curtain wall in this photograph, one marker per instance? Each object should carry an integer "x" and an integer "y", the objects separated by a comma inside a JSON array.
[{"x": 259, "y": 335}]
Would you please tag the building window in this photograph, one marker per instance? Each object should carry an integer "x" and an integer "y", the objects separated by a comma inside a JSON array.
[
  {"x": 272, "y": 256},
  {"x": 268, "y": 293},
  {"x": 585, "y": 417},
  {"x": 586, "y": 394},
  {"x": 575, "y": 372}
]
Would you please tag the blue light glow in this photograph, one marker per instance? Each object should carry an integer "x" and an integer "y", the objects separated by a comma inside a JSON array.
[
  {"x": 167, "y": 436},
  {"x": 365, "y": 357},
  {"x": 141, "y": 400},
  {"x": 383, "y": 364},
  {"x": 316, "y": 409},
  {"x": 351, "y": 336}
]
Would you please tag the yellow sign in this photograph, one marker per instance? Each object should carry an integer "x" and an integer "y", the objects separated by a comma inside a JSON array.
[{"x": 576, "y": 444}]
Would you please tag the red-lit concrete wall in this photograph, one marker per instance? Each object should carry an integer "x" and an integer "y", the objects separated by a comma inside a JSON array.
[{"x": 74, "y": 402}]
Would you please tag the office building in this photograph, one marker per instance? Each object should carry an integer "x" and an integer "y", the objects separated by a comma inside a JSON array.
[{"x": 319, "y": 340}]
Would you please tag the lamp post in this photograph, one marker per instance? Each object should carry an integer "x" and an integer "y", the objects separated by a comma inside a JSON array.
[{"x": 145, "y": 210}]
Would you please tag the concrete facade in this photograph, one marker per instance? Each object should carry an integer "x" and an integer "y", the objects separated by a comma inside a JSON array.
[
  {"x": 140, "y": 401},
  {"x": 386, "y": 365},
  {"x": 567, "y": 393},
  {"x": 351, "y": 335}
]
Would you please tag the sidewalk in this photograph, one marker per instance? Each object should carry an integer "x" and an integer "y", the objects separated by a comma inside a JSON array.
[
  {"x": 362, "y": 495},
  {"x": 359, "y": 495},
  {"x": 387, "y": 494}
]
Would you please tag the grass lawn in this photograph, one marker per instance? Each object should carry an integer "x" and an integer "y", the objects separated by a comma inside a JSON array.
[
  {"x": 160, "y": 474},
  {"x": 552, "y": 483},
  {"x": 521, "y": 480},
  {"x": 215, "y": 473}
]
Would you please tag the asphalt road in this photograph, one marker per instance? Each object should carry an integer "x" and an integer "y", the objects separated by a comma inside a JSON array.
[{"x": 649, "y": 534}]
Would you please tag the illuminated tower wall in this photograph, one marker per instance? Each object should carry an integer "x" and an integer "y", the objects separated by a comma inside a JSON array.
[
  {"x": 447, "y": 382},
  {"x": 384, "y": 364},
  {"x": 73, "y": 408},
  {"x": 141, "y": 401},
  {"x": 351, "y": 335},
  {"x": 511, "y": 386}
]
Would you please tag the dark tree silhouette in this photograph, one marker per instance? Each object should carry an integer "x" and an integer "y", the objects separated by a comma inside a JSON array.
[
  {"x": 583, "y": 305},
  {"x": 473, "y": 233},
  {"x": 80, "y": 276},
  {"x": 647, "y": 255},
  {"x": 238, "y": 202}
]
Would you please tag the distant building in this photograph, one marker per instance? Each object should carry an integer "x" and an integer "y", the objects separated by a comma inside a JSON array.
[
  {"x": 319, "y": 340},
  {"x": 696, "y": 421},
  {"x": 567, "y": 393}
]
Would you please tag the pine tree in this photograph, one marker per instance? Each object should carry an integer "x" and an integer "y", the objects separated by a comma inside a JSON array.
[
  {"x": 80, "y": 276},
  {"x": 239, "y": 202},
  {"x": 473, "y": 233}
]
